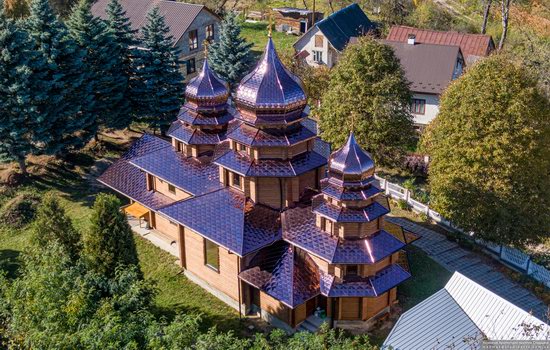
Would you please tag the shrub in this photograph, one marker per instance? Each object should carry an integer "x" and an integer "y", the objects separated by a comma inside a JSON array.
[
  {"x": 423, "y": 217},
  {"x": 402, "y": 204},
  {"x": 415, "y": 164},
  {"x": 20, "y": 210}
]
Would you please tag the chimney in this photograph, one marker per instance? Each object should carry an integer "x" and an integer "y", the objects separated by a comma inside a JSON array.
[{"x": 411, "y": 39}]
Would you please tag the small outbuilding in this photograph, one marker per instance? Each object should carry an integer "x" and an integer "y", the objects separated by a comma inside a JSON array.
[
  {"x": 463, "y": 315},
  {"x": 295, "y": 20}
]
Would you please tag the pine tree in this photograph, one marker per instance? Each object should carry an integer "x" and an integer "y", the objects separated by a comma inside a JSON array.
[
  {"x": 23, "y": 91},
  {"x": 53, "y": 225},
  {"x": 124, "y": 38},
  {"x": 107, "y": 76},
  {"x": 67, "y": 76},
  {"x": 230, "y": 57},
  {"x": 110, "y": 241},
  {"x": 158, "y": 87}
]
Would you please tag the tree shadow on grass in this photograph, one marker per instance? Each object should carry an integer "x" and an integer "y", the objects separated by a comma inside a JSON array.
[
  {"x": 222, "y": 321},
  {"x": 66, "y": 179},
  {"x": 10, "y": 262}
]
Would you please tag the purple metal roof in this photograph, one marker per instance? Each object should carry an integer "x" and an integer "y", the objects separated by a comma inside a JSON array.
[
  {"x": 376, "y": 285},
  {"x": 227, "y": 218},
  {"x": 345, "y": 194},
  {"x": 252, "y": 136},
  {"x": 243, "y": 165},
  {"x": 343, "y": 214},
  {"x": 191, "y": 117},
  {"x": 206, "y": 89},
  {"x": 128, "y": 180},
  {"x": 188, "y": 174},
  {"x": 194, "y": 136},
  {"x": 351, "y": 160},
  {"x": 299, "y": 229},
  {"x": 125, "y": 178},
  {"x": 270, "y": 91},
  {"x": 293, "y": 280}
]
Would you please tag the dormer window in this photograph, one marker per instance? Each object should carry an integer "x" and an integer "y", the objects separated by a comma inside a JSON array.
[
  {"x": 352, "y": 270},
  {"x": 237, "y": 180},
  {"x": 241, "y": 147}
]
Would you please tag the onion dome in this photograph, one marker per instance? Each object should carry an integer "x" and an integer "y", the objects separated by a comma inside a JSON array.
[
  {"x": 351, "y": 164},
  {"x": 206, "y": 92},
  {"x": 270, "y": 94}
]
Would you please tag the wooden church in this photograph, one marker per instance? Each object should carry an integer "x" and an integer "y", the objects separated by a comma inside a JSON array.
[{"x": 264, "y": 217}]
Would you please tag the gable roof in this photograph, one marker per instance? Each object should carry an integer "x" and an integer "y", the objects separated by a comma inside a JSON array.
[
  {"x": 429, "y": 68},
  {"x": 462, "y": 309},
  {"x": 473, "y": 46},
  {"x": 178, "y": 15},
  {"x": 343, "y": 25}
]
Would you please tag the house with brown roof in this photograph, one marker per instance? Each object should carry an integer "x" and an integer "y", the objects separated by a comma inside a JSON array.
[
  {"x": 190, "y": 25},
  {"x": 473, "y": 46},
  {"x": 430, "y": 69}
]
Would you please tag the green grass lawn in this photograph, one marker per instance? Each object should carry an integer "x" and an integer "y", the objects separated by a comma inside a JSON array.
[
  {"x": 175, "y": 293},
  {"x": 257, "y": 33},
  {"x": 427, "y": 278}
]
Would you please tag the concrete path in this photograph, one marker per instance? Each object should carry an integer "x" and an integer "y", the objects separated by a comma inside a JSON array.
[
  {"x": 449, "y": 255},
  {"x": 158, "y": 239}
]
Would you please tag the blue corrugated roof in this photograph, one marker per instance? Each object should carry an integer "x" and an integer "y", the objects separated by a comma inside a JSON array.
[{"x": 344, "y": 24}]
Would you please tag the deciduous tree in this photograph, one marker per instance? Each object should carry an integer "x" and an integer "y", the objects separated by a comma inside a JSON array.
[
  {"x": 490, "y": 154},
  {"x": 230, "y": 57},
  {"x": 158, "y": 85},
  {"x": 368, "y": 93}
]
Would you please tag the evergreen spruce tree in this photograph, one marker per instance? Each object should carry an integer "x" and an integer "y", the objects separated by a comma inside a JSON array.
[
  {"x": 67, "y": 76},
  {"x": 124, "y": 37},
  {"x": 230, "y": 57},
  {"x": 23, "y": 91},
  {"x": 158, "y": 87},
  {"x": 110, "y": 242},
  {"x": 107, "y": 76},
  {"x": 53, "y": 225}
]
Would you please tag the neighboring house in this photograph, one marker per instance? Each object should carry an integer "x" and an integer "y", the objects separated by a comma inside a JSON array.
[
  {"x": 295, "y": 20},
  {"x": 245, "y": 204},
  {"x": 189, "y": 24},
  {"x": 461, "y": 316},
  {"x": 473, "y": 46},
  {"x": 325, "y": 41},
  {"x": 430, "y": 69}
]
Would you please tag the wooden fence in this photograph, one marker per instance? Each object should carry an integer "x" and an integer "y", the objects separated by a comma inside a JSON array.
[{"x": 514, "y": 257}]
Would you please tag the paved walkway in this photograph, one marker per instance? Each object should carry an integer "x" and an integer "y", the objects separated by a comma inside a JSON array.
[
  {"x": 449, "y": 255},
  {"x": 154, "y": 236}
]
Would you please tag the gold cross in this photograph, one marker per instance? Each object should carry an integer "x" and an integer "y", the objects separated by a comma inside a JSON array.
[
  {"x": 205, "y": 43},
  {"x": 270, "y": 24}
]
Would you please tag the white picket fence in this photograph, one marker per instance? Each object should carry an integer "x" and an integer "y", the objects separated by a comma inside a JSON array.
[{"x": 512, "y": 256}]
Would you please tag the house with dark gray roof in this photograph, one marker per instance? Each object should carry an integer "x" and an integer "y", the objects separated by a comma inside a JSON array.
[
  {"x": 430, "y": 69},
  {"x": 190, "y": 25},
  {"x": 324, "y": 42}
]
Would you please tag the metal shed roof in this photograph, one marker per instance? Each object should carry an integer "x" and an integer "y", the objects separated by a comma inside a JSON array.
[{"x": 457, "y": 315}]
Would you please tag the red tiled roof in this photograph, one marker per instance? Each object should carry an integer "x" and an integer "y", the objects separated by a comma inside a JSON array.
[
  {"x": 178, "y": 15},
  {"x": 478, "y": 45}
]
